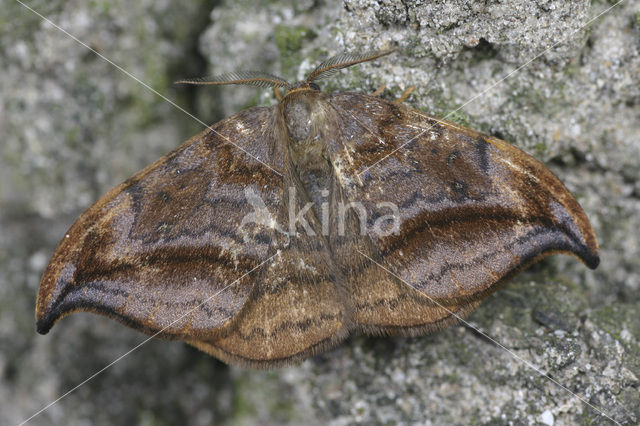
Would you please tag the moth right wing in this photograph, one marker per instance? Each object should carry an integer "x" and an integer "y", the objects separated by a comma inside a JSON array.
[
  {"x": 471, "y": 211},
  {"x": 167, "y": 250}
]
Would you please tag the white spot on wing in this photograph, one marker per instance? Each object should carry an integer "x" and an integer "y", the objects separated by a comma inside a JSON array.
[
  {"x": 518, "y": 169},
  {"x": 303, "y": 265},
  {"x": 241, "y": 128}
]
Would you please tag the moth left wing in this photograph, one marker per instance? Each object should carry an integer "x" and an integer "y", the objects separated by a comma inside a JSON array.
[
  {"x": 471, "y": 211},
  {"x": 166, "y": 250}
]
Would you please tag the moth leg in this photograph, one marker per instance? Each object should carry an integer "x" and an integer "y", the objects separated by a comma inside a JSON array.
[
  {"x": 278, "y": 94},
  {"x": 379, "y": 90},
  {"x": 405, "y": 95}
]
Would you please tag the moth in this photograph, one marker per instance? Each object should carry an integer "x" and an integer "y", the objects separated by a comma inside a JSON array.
[{"x": 279, "y": 231}]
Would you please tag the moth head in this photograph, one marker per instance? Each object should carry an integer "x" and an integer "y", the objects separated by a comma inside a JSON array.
[{"x": 302, "y": 86}]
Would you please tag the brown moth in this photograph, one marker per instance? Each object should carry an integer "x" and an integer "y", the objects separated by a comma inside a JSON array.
[{"x": 261, "y": 240}]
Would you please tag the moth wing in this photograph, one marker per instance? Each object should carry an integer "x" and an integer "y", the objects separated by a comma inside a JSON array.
[
  {"x": 471, "y": 211},
  {"x": 166, "y": 250}
]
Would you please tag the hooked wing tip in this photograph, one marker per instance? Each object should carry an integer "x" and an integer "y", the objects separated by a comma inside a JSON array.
[
  {"x": 48, "y": 309},
  {"x": 43, "y": 326},
  {"x": 46, "y": 318},
  {"x": 584, "y": 246},
  {"x": 591, "y": 259}
]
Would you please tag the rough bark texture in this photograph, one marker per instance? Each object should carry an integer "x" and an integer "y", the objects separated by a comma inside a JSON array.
[{"x": 74, "y": 126}]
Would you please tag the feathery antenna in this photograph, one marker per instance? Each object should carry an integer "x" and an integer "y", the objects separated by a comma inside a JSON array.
[
  {"x": 249, "y": 78},
  {"x": 344, "y": 60}
]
